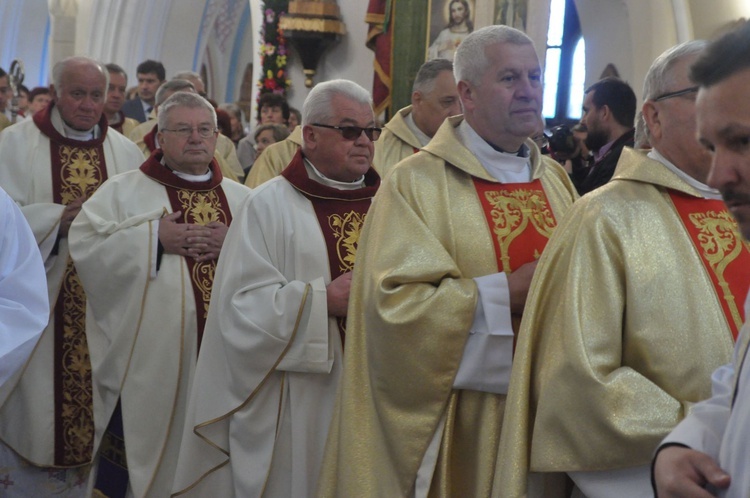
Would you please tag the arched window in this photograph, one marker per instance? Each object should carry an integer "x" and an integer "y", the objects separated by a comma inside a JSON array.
[{"x": 565, "y": 66}]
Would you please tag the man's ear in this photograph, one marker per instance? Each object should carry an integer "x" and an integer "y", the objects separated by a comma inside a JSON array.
[
  {"x": 466, "y": 95},
  {"x": 652, "y": 118},
  {"x": 53, "y": 93},
  {"x": 605, "y": 113},
  {"x": 309, "y": 136},
  {"x": 416, "y": 98}
]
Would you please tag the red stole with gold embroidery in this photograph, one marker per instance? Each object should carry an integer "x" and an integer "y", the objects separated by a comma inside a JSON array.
[
  {"x": 519, "y": 218},
  {"x": 340, "y": 213},
  {"x": 520, "y": 221},
  {"x": 77, "y": 169},
  {"x": 200, "y": 204},
  {"x": 724, "y": 253}
]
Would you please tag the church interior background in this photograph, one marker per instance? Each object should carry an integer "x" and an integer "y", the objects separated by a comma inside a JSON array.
[{"x": 222, "y": 39}]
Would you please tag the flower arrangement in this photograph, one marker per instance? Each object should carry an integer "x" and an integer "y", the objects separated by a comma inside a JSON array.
[{"x": 273, "y": 51}]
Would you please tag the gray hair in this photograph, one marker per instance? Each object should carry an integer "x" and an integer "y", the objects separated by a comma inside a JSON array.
[
  {"x": 64, "y": 65},
  {"x": 280, "y": 131},
  {"x": 184, "y": 99},
  {"x": 428, "y": 73},
  {"x": 660, "y": 75},
  {"x": 188, "y": 75},
  {"x": 170, "y": 87},
  {"x": 317, "y": 107},
  {"x": 232, "y": 109},
  {"x": 470, "y": 61}
]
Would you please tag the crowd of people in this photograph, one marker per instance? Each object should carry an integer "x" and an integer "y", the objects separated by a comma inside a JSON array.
[{"x": 438, "y": 306}]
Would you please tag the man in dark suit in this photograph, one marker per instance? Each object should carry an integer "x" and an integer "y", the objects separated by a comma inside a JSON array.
[
  {"x": 150, "y": 74},
  {"x": 609, "y": 115}
]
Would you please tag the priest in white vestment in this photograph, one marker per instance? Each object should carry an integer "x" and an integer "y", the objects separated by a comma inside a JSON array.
[
  {"x": 271, "y": 359},
  {"x": 24, "y": 305},
  {"x": 49, "y": 165},
  {"x": 146, "y": 247}
]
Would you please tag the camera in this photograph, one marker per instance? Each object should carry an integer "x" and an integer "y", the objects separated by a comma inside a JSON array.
[{"x": 561, "y": 141}]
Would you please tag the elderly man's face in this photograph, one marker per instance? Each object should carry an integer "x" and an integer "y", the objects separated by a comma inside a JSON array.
[
  {"x": 189, "y": 139},
  {"x": 82, "y": 95},
  {"x": 339, "y": 158},
  {"x": 671, "y": 122},
  {"x": 116, "y": 92},
  {"x": 723, "y": 117},
  {"x": 504, "y": 107},
  {"x": 430, "y": 109}
]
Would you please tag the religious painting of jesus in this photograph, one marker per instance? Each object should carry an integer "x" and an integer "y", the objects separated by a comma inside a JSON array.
[{"x": 450, "y": 22}]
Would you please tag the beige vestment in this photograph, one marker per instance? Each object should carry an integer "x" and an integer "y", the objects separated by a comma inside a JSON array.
[{"x": 397, "y": 142}]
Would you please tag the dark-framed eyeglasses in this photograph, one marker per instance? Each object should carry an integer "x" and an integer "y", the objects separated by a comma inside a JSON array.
[
  {"x": 353, "y": 132},
  {"x": 678, "y": 93},
  {"x": 204, "y": 131}
]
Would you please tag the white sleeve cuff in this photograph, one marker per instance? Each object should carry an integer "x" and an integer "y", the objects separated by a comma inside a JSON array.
[
  {"x": 488, "y": 354},
  {"x": 632, "y": 482}
]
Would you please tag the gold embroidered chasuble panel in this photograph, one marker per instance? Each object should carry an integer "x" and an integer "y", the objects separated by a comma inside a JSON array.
[{"x": 77, "y": 169}]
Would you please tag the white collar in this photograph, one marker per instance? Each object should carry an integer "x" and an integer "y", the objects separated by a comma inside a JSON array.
[
  {"x": 502, "y": 166},
  {"x": 189, "y": 177},
  {"x": 422, "y": 137},
  {"x": 705, "y": 190},
  {"x": 68, "y": 132},
  {"x": 315, "y": 175}
]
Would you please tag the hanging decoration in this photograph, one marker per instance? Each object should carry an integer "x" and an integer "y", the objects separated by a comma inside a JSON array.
[{"x": 274, "y": 77}]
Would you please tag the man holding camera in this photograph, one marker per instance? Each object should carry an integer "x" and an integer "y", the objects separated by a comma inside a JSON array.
[
  {"x": 608, "y": 115},
  {"x": 636, "y": 300}
]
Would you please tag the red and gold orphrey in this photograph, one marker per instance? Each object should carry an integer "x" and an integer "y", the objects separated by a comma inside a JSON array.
[
  {"x": 520, "y": 221},
  {"x": 340, "y": 214},
  {"x": 76, "y": 172},
  {"x": 519, "y": 218},
  {"x": 725, "y": 254},
  {"x": 200, "y": 207}
]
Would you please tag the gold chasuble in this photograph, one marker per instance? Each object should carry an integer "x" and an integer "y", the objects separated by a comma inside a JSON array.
[
  {"x": 723, "y": 251},
  {"x": 77, "y": 169},
  {"x": 635, "y": 302},
  {"x": 439, "y": 221},
  {"x": 200, "y": 204}
]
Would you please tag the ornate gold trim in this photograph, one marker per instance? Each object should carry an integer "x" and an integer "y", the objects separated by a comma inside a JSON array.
[{"x": 288, "y": 23}]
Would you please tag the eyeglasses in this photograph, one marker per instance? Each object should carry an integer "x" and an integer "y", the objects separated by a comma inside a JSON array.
[
  {"x": 678, "y": 93},
  {"x": 186, "y": 131},
  {"x": 353, "y": 132}
]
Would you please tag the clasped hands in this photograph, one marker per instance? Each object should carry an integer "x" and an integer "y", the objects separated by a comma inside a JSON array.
[{"x": 200, "y": 242}]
